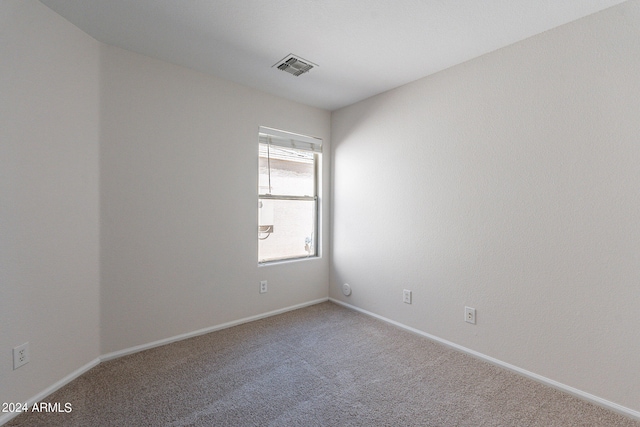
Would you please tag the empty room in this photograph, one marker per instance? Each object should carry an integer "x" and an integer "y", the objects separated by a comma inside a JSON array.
[{"x": 330, "y": 213}]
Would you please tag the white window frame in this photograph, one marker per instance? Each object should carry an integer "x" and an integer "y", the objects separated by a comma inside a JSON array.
[{"x": 276, "y": 137}]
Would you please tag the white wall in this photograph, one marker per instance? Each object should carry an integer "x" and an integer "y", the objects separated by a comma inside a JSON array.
[
  {"x": 179, "y": 174},
  {"x": 49, "y": 213},
  {"x": 128, "y": 200},
  {"x": 510, "y": 183}
]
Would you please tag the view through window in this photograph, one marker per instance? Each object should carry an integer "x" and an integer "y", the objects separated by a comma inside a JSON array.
[{"x": 287, "y": 195}]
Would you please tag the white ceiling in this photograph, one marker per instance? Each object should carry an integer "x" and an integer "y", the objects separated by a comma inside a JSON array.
[{"x": 362, "y": 47}]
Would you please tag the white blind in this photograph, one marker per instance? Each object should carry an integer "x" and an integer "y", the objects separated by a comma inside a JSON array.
[{"x": 290, "y": 140}]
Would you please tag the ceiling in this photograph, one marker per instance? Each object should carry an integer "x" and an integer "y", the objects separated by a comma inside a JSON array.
[{"x": 362, "y": 47}]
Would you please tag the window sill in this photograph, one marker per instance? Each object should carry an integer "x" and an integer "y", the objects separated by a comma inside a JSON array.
[{"x": 288, "y": 261}]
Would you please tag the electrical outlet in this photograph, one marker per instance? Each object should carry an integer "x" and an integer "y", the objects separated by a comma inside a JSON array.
[
  {"x": 406, "y": 296},
  {"x": 263, "y": 286},
  {"x": 470, "y": 315},
  {"x": 20, "y": 355}
]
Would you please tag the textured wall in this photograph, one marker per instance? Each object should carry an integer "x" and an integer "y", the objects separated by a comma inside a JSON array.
[
  {"x": 49, "y": 213},
  {"x": 511, "y": 184},
  {"x": 179, "y": 176}
]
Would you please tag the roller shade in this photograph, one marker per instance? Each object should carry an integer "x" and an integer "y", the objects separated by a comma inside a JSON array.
[{"x": 289, "y": 140}]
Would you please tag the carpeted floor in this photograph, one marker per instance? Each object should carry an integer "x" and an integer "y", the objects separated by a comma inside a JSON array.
[{"x": 323, "y": 365}]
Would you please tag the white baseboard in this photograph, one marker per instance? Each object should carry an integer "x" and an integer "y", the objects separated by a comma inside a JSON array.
[
  {"x": 138, "y": 348},
  {"x": 46, "y": 392},
  {"x": 114, "y": 355},
  {"x": 547, "y": 381}
]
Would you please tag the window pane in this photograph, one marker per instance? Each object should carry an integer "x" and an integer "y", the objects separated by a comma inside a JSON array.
[
  {"x": 293, "y": 232},
  {"x": 292, "y": 171}
]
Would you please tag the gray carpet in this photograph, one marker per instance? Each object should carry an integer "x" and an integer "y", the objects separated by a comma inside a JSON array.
[{"x": 323, "y": 365}]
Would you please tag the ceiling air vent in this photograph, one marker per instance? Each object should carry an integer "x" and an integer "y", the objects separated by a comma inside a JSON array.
[{"x": 294, "y": 65}]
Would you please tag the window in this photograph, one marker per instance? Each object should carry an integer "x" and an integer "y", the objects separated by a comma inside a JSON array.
[{"x": 287, "y": 195}]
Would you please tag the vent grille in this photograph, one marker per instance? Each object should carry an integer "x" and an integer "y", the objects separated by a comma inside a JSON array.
[{"x": 294, "y": 65}]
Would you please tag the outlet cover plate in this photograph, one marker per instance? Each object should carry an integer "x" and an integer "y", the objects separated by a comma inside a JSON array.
[
  {"x": 406, "y": 296},
  {"x": 263, "y": 286},
  {"x": 470, "y": 315},
  {"x": 21, "y": 355}
]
